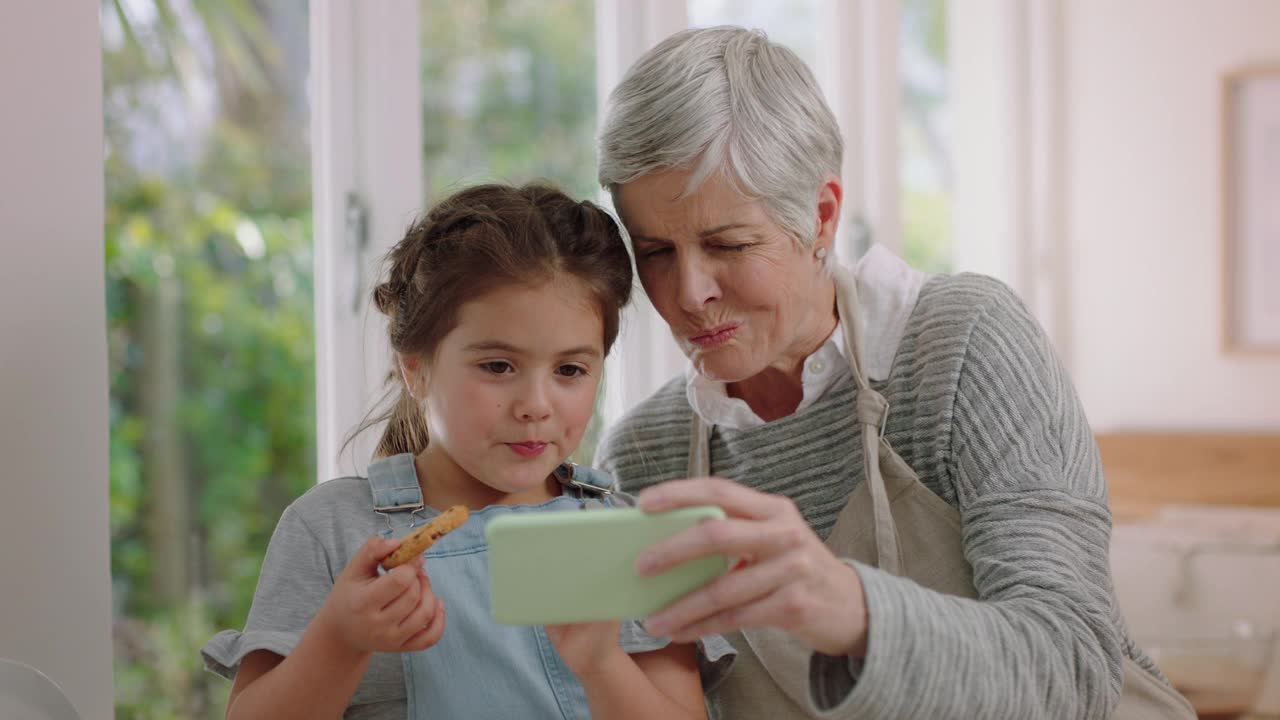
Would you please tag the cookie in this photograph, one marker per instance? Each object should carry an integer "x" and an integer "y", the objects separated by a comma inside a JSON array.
[{"x": 417, "y": 542}]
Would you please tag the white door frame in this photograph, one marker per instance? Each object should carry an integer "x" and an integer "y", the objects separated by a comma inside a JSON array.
[
  {"x": 1007, "y": 85},
  {"x": 366, "y": 144}
]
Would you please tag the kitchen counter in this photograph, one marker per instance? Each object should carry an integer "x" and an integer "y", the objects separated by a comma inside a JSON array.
[{"x": 1203, "y": 570}]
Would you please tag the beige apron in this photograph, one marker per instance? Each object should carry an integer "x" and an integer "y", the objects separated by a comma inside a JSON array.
[{"x": 893, "y": 522}]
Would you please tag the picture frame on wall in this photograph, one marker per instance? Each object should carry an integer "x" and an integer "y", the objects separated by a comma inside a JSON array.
[{"x": 1251, "y": 210}]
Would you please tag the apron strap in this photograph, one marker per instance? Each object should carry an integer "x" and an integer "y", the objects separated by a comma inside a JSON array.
[
  {"x": 872, "y": 411},
  {"x": 848, "y": 308}
]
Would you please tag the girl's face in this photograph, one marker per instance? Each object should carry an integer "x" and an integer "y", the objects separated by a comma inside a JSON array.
[{"x": 511, "y": 389}]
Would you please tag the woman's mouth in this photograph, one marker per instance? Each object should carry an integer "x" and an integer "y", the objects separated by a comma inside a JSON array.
[
  {"x": 715, "y": 336},
  {"x": 528, "y": 449}
]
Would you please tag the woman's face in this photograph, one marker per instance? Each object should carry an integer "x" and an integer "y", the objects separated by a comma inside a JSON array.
[{"x": 739, "y": 294}]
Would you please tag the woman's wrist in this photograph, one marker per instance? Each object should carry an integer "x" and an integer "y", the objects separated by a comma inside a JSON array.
[{"x": 860, "y": 619}]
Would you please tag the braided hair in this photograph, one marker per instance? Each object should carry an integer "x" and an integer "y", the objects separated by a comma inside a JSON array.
[{"x": 474, "y": 242}]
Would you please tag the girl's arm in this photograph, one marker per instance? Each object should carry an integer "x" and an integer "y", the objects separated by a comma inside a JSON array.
[
  {"x": 316, "y": 680},
  {"x": 364, "y": 613},
  {"x": 661, "y": 683}
]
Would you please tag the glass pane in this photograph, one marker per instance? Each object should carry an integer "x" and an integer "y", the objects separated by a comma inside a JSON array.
[
  {"x": 509, "y": 95},
  {"x": 925, "y": 143},
  {"x": 793, "y": 23},
  {"x": 209, "y": 297}
]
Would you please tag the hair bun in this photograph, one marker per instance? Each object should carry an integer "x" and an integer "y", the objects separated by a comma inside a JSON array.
[{"x": 388, "y": 297}]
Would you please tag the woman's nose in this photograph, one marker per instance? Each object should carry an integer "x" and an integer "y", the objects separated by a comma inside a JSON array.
[{"x": 695, "y": 284}]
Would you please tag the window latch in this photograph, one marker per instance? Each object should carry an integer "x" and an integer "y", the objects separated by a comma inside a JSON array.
[{"x": 357, "y": 242}]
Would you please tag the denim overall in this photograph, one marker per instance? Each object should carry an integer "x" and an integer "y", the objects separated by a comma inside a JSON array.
[{"x": 480, "y": 669}]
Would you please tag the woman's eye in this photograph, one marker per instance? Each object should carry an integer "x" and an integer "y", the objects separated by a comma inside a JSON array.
[
  {"x": 653, "y": 252},
  {"x": 571, "y": 371},
  {"x": 733, "y": 248},
  {"x": 497, "y": 367}
]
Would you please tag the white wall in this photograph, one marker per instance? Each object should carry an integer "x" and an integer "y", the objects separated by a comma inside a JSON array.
[
  {"x": 55, "y": 611},
  {"x": 1144, "y": 212}
]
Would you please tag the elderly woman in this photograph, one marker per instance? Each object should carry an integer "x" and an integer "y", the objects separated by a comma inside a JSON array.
[{"x": 913, "y": 491}]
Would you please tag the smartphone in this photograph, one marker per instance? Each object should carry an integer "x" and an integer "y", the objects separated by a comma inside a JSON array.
[{"x": 579, "y": 566}]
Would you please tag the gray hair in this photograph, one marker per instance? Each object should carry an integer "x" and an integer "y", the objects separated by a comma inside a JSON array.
[{"x": 725, "y": 99}]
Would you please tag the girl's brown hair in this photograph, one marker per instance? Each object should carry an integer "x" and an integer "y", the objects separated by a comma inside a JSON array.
[{"x": 476, "y": 241}]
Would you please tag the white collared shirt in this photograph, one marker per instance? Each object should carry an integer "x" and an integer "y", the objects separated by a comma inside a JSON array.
[{"x": 887, "y": 290}]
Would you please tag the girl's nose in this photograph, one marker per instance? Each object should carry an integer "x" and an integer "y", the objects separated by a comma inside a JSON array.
[{"x": 533, "y": 405}]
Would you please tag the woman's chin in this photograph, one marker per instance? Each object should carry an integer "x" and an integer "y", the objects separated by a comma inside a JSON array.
[{"x": 724, "y": 366}]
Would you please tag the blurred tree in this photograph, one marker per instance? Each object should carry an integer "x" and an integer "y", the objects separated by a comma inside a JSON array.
[
  {"x": 209, "y": 315},
  {"x": 509, "y": 93}
]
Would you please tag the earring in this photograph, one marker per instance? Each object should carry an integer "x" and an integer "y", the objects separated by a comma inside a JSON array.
[{"x": 822, "y": 253}]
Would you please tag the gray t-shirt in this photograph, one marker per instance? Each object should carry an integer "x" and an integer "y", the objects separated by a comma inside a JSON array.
[{"x": 316, "y": 537}]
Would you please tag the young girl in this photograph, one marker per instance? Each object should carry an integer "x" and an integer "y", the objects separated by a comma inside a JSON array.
[{"x": 502, "y": 304}]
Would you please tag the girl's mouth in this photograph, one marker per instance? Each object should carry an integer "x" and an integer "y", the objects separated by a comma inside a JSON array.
[{"x": 528, "y": 449}]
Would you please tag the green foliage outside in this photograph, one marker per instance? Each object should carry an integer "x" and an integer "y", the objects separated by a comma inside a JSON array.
[
  {"x": 926, "y": 186},
  {"x": 509, "y": 93},
  {"x": 209, "y": 301},
  {"x": 926, "y": 230}
]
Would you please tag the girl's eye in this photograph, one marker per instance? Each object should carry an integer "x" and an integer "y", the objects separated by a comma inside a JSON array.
[
  {"x": 571, "y": 371},
  {"x": 497, "y": 367}
]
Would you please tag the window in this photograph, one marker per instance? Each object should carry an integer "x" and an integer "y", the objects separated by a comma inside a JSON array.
[
  {"x": 509, "y": 94},
  {"x": 793, "y": 23},
  {"x": 926, "y": 161},
  {"x": 209, "y": 256}
]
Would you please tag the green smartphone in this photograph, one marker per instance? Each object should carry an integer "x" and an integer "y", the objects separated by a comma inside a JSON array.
[{"x": 570, "y": 567}]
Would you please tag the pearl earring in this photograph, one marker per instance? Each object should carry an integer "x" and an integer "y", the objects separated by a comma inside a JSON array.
[{"x": 822, "y": 253}]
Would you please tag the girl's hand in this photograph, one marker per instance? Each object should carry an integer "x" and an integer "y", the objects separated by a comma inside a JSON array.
[
  {"x": 395, "y": 612},
  {"x": 586, "y": 647},
  {"x": 790, "y": 579}
]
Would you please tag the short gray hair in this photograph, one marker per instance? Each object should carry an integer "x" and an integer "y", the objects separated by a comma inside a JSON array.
[{"x": 725, "y": 99}]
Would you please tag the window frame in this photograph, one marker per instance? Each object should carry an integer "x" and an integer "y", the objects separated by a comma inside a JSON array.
[{"x": 1008, "y": 152}]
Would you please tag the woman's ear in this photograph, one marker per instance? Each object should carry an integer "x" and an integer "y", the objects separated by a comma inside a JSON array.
[
  {"x": 830, "y": 197},
  {"x": 413, "y": 372}
]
